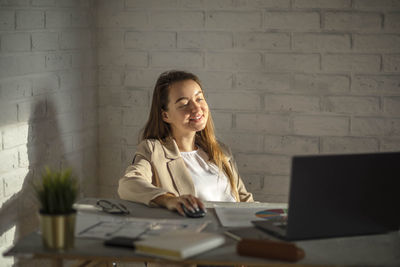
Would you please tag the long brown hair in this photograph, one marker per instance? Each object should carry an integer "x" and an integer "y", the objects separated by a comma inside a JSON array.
[{"x": 156, "y": 128}]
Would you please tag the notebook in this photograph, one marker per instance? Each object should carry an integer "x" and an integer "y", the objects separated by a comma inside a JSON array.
[
  {"x": 340, "y": 195},
  {"x": 180, "y": 244}
]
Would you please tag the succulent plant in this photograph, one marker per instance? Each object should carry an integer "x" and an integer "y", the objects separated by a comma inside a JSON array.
[{"x": 57, "y": 191}]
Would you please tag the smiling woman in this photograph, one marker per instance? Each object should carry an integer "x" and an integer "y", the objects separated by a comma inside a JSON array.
[{"x": 179, "y": 161}]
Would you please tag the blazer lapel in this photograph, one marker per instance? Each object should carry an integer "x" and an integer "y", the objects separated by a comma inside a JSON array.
[{"x": 177, "y": 169}]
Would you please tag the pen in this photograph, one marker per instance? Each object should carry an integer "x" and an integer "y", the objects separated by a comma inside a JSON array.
[{"x": 233, "y": 236}]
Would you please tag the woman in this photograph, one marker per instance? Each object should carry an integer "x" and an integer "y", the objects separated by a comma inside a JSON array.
[{"x": 179, "y": 160}]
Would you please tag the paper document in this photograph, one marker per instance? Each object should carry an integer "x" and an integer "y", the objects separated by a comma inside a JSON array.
[
  {"x": 90, "y": 225},
  {"x": 241, "y": 215}
]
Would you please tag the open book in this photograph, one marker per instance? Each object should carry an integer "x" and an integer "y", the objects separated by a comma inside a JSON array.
[{"x": 180, "y": 244}]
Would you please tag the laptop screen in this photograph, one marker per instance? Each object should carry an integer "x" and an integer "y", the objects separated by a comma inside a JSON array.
[{"x": 341, "y": 195}]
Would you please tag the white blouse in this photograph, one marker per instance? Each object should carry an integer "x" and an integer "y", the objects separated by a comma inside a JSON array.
[{"x": 210, "y": 183}]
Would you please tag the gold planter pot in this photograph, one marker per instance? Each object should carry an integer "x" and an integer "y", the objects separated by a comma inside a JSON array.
[{"x": 58, "y": 230}]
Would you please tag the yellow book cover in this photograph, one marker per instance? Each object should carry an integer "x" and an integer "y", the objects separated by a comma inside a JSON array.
[{"x": 179, "y": 244}]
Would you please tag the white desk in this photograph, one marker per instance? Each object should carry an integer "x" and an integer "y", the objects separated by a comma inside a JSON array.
[{"x": 372, "y": 250}]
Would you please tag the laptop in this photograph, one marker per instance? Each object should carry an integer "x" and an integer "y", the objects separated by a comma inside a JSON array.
[{"x": 340, "y": 195}]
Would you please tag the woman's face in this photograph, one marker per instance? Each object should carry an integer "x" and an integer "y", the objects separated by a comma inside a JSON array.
[{"x": 187, "y": 109}]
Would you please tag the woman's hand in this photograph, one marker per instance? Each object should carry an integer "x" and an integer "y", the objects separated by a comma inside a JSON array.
[{"x": 172, "y": 202}]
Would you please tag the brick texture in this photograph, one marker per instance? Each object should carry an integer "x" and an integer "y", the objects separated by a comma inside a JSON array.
[{"x": 281, "y": 78}]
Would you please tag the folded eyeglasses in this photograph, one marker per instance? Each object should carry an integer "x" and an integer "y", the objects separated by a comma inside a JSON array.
[{"x": 112, "y": 208}]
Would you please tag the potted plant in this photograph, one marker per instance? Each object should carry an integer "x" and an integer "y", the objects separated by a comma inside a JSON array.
[{"x": 57, "y": 192}]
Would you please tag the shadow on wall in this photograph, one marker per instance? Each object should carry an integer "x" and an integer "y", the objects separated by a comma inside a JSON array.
[{"x": 44, "y": 148}]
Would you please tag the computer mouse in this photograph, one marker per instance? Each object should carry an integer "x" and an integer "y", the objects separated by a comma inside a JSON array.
[{"x": 196, "y": 214}]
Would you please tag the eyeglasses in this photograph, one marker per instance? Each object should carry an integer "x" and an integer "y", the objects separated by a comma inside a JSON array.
[{"x": 112, "y": 208}]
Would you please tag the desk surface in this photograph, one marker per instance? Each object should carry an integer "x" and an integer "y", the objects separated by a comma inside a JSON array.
[{"x": 372, "y": 250}]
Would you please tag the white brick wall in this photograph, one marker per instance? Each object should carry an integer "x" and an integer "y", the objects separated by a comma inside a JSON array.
[
  {"x": 42, "y": 102},
  {"x": 281, "y": 77}
]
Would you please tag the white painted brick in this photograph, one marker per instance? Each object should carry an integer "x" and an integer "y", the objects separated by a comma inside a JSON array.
[
  {"x": 376, "y": 43},
  {"x": 58, "y": 61},
  {"x": 110, "y": 38},
  {"x": 214, "y": 80},
  {"x": 376, "y": 84},
  {"x": 277, "y": 185},
  {"x": 177, "y": 19},
  {"x": 130, "y": 135},
  {"x": 234, "y": 101},
  {"x": 7, "y": 20},
  {"x": 205, "y": 40},
  {"x": 15, "y": 89},
  {"x": 321, "y": 84},
  {"x": 134, "y": 116},
  {"x": 291, "y": 145},
  {"x": 348, "y": 145},
  {"x": 320, "y": 125},
  {"x": 83, "y": 58},
  {"x": 21, "y": 64},
  {"x": 34, "y": 108},
  {"x": 263, "y": 4},
  {"x": 295, "y": 21},
  {"x": 122, "y": 58},
  {"x": 264, "y": 81},
  {"x": 210, "y": 4},
  {"x": 75, "y": 39},
  {"x": 391, "y": 63},
  {"x": 177, "y": 59},
  {"x": 239, "y": 60},
  {"x": 366, "y": 126},
  {"x": 16, "y": 42},
  {"x": 390, "y": 144},
  {"x": 141, "y": 78},
  {"x": 61, "y": 101},
  {"x": 375, "y": 5},
  {"x": 392, "y": 22},
  {"x": 45, "y": 3},
  {"x": 321, "y": 42},
  {"x": 263, "y": 41},
  {"x": 133, "y": 19},
  {"x": 69, "y": 122},
  {"x": 292, "y": 62},
  {"x": 394, "y": 127},
  {"x": 253, "y": 182},
  {"x": 222, "y": 121},
  {"x": 8, "y": 159},
  {"x": 242, "y": 142},
  {"x": 69, "y": 80},
  {"x": 150, "y": 40},
  {"x": 82, "y": 19},
  {"x": 245, "y": 20},
  {"x": 391, "y": 106},
  {"x": 151, "y": 3},
  {"x": 46, "y": 83},
  {"x": 14, "y": 3},
  {"x": 69, "y": 3},
  {"x": 351, "y": 104},
  {"x": 337, "y": 4},
  {"x": 13, "y": 181},
  {"x": 352, "y": 21},
  {"x": 15, "y": 135},
  {"x": 8, "y": 114},
  {"x": 351, "y": 62},
  {"x": 30, "y": 19},
  {"x": 44, "y": 41},
  {"x": 292, "y": 103},
  {"x": 110, "y": 116},
  {"x": 271, "y": 164},
  {"x": 135, "y": 98},
  {"x": 272, "y": 124},
  {"x": 58, "y": 19}
]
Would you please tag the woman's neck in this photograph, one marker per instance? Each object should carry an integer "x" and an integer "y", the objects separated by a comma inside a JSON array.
[{"x": 185, "y": 143}]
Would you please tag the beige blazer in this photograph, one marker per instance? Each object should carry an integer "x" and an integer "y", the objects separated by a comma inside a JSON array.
[{"x": 158, "y": 169}]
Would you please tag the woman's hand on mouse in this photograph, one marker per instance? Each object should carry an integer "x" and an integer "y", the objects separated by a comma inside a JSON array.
[{"x": 172, "y": 202}]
